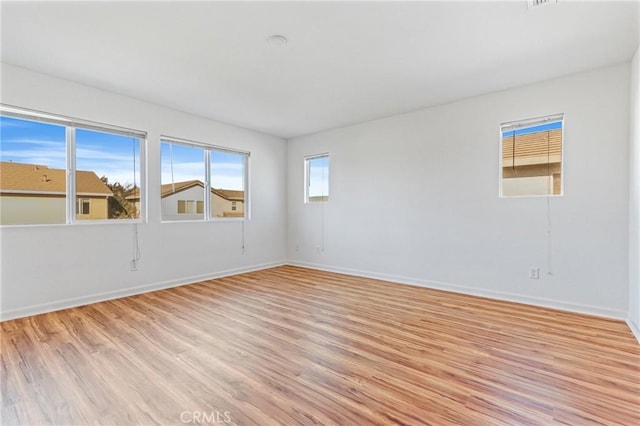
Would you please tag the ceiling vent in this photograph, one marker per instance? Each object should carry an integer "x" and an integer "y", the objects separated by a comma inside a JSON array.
[{"x": 539, "y": 3}]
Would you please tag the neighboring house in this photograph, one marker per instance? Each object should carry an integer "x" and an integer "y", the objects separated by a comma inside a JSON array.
[
  {"x": 185, "y": 200},
  {"x": 34, "y": 194},
  {"x": 533, "y": 164}
]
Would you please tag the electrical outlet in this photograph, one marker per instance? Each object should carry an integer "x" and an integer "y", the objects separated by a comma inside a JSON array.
[
  {"x": 134, "y": 265},
  {"x": 534, "y": 273}
]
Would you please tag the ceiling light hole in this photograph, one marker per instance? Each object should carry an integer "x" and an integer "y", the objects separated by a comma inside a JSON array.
[{"x": 277, "y": 40}]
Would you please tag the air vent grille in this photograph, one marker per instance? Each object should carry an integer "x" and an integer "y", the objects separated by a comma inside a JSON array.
[{"x": 539, "y": 3}]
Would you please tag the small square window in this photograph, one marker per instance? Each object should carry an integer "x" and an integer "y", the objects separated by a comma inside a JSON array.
[
  {"x": 84, "y": 206},
  {"x": 189, "y": 206},
  {"x": 531, "y": 157}
]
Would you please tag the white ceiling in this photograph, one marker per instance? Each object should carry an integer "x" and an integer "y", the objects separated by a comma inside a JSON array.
[{"x": 345, "y": 62}]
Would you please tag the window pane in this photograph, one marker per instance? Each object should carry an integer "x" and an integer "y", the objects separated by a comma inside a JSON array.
[
  {"x": 32, "y": 172},
  {"x": 83, "y": 206},
  {"x": 227, "y": 184},
  {"x": 182, "y": 178},
  {"x": 532, "y": 160},
  {"x": 317, "y": 179},
  {"x": 107, "y": 175}
]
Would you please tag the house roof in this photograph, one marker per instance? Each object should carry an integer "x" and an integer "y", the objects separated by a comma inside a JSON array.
[
  {"x": 229, "y": 194},
  {"x": 174, "y": 188},
  {"x": 34, "y": 178}
]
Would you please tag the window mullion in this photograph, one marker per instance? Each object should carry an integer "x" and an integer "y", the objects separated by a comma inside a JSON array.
[
  {"x": 245, "y": 188},
  {"x": 207, "y": 184},
  {"x": 71, "y": 174}
]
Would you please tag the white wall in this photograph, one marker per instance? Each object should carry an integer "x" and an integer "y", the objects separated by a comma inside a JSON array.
[
  {"x": 414, "y": 198},
  {"x": 634, "y": 200},
  {"x": 48, "y": 267}
]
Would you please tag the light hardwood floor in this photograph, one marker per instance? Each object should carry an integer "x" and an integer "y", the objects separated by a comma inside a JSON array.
[{"x": 295, "y": 346}]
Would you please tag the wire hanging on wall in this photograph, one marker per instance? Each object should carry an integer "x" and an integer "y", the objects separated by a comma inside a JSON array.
[
  {"x": 324, "y": 201},
  {"x": 243, "y": 235}
]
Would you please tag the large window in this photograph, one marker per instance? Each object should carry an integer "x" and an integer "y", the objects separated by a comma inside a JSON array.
[
  {"x": 316, "y": 169},
  {"x": 531, "y": 157},
  {"x": 56, "y": 170},
  {"x": 191, "y": 170}
]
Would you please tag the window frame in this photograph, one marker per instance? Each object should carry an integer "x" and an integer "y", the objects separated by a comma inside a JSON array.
[
  {"x": 71, "y": 124},
  {"x": 208, "y": 148},
  {"x": 307, "y": 177},
  {"x": 523, "y": 124}
]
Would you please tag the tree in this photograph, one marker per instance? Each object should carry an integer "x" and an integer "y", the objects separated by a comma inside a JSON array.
[{"x": 119, "y": 206}]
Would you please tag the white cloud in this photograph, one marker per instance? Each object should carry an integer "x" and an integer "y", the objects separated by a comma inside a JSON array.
[{"x": 29, "y": 141}]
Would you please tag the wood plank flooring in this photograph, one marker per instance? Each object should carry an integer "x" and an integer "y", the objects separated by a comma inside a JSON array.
[{"x": 296, "y": 346}]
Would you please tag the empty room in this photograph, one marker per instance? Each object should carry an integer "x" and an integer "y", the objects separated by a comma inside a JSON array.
[{"x": 320, "y": 213}]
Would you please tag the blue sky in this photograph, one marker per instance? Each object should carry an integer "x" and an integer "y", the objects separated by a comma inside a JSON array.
[
  {"x": 227, "y": 169},
  {"x": 110, "y": 155},
  {"x": 318, "y": 176},
  {"x": 44, "y": 144},
  {"x": 534, "y": 129},
  {"x": 32, "y": 142}
]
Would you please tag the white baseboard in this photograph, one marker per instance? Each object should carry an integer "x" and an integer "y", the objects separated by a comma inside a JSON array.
[
  {"x": 455, "y": 288},
  {"x": 101, "y": 297},
  {"x": 110, "y": 295},
  {"x": 634, "y": 329}
]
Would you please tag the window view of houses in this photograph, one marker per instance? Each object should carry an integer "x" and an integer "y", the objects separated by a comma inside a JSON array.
[
  {"x": 33, "y": 173},
  {"x": 532, "y": 160},
  {"x": 34, "y": 187},
  {"x": 36, "y": 194},
  {"x": 183, "y": 176}
]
